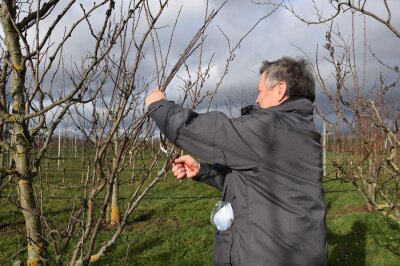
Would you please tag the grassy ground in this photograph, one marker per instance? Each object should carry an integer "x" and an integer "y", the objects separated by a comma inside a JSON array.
[{"x": 168, "y": 230}]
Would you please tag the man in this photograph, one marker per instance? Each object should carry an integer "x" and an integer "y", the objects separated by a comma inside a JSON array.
[{"x": 267, "y": 164}]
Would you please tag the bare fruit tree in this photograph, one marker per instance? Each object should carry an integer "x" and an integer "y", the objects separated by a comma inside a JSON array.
[
  {"x": 120, "y": 127},
  {"x": 33, "y": 103},
  {"x": 100, "y": 92}
]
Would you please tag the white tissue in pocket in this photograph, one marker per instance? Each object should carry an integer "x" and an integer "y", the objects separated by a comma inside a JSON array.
[{"x": 222, "y": 215}]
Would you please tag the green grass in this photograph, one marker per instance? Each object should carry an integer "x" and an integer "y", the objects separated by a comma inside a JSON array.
[
  {"x": 363, "y": 239},
  {"x": 167, "y": 230}
]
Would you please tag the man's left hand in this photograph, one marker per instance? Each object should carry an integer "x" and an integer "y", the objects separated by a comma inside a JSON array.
[{"x": 154, "y": 96}]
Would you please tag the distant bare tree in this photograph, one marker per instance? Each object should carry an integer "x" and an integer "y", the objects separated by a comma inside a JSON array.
[{"x": 372, "y": 118}]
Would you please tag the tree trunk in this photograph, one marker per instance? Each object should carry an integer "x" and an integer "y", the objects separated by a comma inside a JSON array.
[
  {"x": 21, "y": 138},
  {"x": 115, "y": 216}
]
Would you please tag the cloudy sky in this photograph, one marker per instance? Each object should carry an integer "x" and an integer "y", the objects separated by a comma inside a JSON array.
[{"x": 280, "y": 34}]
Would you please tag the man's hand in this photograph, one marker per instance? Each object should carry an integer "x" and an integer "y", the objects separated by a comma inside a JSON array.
[
  {"x": 185, "y": 167},
  {"x": 154, "y": 96}
]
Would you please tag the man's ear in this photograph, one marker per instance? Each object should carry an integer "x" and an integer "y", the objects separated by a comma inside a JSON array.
[{"x": 282, "y": 91}]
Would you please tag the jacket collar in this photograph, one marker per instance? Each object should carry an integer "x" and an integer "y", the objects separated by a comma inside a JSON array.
[{"x": 299, "y": 105}]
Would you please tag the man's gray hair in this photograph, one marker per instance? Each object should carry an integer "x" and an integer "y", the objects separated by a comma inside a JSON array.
[{"x": 296, "y": 73}]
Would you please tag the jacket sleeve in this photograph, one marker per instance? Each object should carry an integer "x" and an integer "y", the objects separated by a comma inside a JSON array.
[
  {"x": 212, "y": 174},
  {"x": 212, "y": 137}
]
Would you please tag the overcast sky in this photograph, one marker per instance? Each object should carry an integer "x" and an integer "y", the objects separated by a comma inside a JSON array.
[{"x": 281, "y": 34}]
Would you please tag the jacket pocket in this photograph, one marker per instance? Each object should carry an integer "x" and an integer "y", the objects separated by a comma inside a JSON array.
[{"x": 222, "y": 248}]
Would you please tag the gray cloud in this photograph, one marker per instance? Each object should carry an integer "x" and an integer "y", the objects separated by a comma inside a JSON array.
[{"x": 279, "y": 35}]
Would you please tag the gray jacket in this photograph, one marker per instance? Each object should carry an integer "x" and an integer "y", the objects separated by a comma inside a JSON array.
[{"x": 268, "y": 165}]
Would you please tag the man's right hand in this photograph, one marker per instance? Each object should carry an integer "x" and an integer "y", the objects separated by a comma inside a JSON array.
[{"x": 185, "y": 167}]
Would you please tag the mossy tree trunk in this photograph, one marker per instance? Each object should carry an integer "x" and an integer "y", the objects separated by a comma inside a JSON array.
[
  {"x": 22, "y": 141},
  {"x": 3, "y": 109}
]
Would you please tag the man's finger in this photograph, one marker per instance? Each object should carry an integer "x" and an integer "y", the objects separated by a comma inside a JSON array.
[
  {"x": 184, "y": 159},
  {"x": 175, "y": 167},
  {"x": 181, "y": 175},
  {"x": 180, "y": 160}
]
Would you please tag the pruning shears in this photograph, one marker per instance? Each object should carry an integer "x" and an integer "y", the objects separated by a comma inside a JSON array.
[{"x": 171, "y": 153}]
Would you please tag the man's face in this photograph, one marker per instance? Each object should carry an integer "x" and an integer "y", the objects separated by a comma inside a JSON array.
[{"x": 268, "y": 97}]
